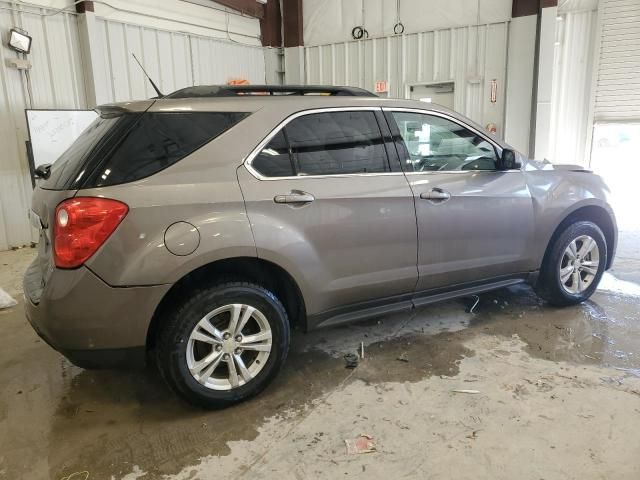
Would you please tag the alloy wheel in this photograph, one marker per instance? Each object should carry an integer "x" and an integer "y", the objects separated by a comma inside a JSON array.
[
  {"x": 229, "y": 346},
  {"x": 579, "y": 264}
]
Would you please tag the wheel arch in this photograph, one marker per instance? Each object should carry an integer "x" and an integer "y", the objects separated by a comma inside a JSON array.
[
  {"x": 592, "y": 213},
  {"x": 251, "y": 269}
]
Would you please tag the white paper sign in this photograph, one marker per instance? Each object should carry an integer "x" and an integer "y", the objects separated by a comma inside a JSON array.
[{"x": 53, "y": 131}]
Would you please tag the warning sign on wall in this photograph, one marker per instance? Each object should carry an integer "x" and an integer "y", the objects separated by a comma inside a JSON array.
[{"x": 382, "y": 86}]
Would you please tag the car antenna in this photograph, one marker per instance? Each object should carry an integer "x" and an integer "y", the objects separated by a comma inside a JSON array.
[{"x": 155, "y": 87}]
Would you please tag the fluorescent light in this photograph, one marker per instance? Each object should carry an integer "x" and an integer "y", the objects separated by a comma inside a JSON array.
[{"x": 19, "y": 41}]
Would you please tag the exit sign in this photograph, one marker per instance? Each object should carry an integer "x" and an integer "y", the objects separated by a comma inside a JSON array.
[{"x": 382, "y": 86}]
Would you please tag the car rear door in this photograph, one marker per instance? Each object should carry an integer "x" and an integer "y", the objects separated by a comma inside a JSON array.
[
  {"x": 475, "y": 221},
  {"x": 326, "y": 203}
]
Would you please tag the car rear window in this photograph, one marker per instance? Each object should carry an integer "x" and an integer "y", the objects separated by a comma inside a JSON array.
[
  {"x": 68, "y": 170},
  {"x": 133, "y": 146}
]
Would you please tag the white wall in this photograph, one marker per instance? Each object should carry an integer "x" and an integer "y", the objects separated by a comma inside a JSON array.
[
  {"x": 173, "y": 15},
  {"x": 330, "y": 21},
  {"x": 177, "y": 56},
  {"x": 174, "y": 60},
  {"x": 545, "y": 81},
  {"x": 572, "y": 85},
  {"x": 522, "y": 34},
  {"x": 57, "y": 83},
  {"x": 469, "y": 56},
  {"x": 568, "y": 37}
]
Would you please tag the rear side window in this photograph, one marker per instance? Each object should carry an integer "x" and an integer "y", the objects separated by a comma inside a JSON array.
[
  {"x": 335, "y": 143},
  {"x": 158, "y": 140},
  {"x": 275, "y": 160},
  {"x": 330, "y": 143}
]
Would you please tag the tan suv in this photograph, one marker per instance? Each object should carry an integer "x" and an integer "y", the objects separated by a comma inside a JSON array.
[{"x": 202, "y": 226}]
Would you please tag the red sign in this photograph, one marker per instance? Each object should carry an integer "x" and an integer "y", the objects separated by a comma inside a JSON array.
[{"x": 382, "y": 86}]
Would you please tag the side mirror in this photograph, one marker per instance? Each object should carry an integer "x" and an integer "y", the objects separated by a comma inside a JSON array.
[
  {"x": 43, "y": 171},
  {"x": 509, "y": 160}
]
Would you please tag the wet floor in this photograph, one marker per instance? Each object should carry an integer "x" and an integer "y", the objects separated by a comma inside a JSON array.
[{"x": 57, "y": 419}]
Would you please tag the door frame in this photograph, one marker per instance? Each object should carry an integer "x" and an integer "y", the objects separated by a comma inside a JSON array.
[{"x": 408, "y": 85}]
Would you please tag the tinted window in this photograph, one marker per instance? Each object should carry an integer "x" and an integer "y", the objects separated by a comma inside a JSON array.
[
  {"x": 157, "y": 141},
  {"x": 438, "y": 144},
  {"x": 68, "y": 167},
  {"x": 336, "y": 143},
  {"x": 274, "y": 159}
]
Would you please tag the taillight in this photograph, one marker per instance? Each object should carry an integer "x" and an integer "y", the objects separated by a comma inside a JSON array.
[{"x": 81, "y": 226}]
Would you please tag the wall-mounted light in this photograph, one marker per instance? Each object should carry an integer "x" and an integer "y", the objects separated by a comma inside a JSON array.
[{"x": 19, "y": 41}]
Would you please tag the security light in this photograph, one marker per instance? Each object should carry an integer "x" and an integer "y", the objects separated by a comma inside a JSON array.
[{"x": 19, "y": 41}]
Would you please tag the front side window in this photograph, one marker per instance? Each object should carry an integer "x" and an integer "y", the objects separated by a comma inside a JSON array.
[
  {"x": 437, "y": 144},
  {"x": 331, "y": 143}
]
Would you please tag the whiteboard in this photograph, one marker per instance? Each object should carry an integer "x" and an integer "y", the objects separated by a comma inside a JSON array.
[{"x": 53, "y": 131}]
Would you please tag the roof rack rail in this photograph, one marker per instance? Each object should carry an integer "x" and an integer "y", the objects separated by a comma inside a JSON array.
[{"x": 251, "y": 90}]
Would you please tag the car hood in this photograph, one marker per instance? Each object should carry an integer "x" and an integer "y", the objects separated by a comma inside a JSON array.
[{"x": 547, "y": 165}]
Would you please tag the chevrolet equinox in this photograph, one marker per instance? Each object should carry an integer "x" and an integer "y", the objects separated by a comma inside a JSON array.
[{"x": 200, "y": 227}]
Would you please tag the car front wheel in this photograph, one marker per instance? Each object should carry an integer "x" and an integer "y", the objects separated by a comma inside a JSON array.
[
  {"x": 573, "y": 265},
  {"x": 224, "y": 344}
]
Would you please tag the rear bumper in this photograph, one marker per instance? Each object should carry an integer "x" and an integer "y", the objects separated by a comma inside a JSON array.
[{"x": 93, "y": 324}]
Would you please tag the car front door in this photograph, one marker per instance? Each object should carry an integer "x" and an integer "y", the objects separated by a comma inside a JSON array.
[
  {"x": 475, "y": 221},
  {"x": 326, "y": 203}
]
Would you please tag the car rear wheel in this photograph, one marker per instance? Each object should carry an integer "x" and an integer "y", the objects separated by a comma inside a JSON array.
[
  {"x": 224, "y": 344},
  {"x": 573, "y": 265}
]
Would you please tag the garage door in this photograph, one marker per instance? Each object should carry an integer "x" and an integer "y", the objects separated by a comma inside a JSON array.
[{"x": 618, "y": 88}]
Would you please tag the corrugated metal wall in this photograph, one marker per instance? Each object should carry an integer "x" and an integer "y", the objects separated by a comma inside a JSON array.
[
  {"x": 56, "y": 83},
  {"x": 462, "y": 55},
  {"x": 173, "y": 60},
  {"x": 618, "y": 92}
]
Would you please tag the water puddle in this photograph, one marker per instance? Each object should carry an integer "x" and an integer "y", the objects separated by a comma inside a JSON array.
[
  {"x": 609, "y": 283},
  {"x": 115, "y": 423}
]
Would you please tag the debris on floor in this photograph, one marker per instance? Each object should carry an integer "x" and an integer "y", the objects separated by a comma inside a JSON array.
[
  {"x": 84, "y": 475},
  {"x": 6, "y": 301},
  {"x": 476, "y": 301},
  {"x": 361, "y": 444},
  {"x": 351, "y": 360},
  {"x": 463, "y": 390},
  {"x": 403, "y": 357},
  {"x": 473, "y": 435}
]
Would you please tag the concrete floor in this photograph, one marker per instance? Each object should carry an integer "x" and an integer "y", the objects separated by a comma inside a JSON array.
[{"x": 559, "y": 397}]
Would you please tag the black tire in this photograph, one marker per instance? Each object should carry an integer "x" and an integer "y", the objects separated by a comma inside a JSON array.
[
  {"x": 179, "y": 322},
  {"x": 549, "y": 286}
]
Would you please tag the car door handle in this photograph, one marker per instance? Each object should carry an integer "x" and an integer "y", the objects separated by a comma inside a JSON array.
[
  {"x": 437, "y": 194},
  {"x": 294, "y": 197}
]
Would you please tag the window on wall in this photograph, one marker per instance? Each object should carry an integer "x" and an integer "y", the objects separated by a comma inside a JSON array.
[
  {"x": 331, "y": 143},
  {"x": 436, "y": 144}
]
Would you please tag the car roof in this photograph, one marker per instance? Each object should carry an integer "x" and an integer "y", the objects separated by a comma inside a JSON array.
[
  {"x": 283, "y": 105},
  {"x": 253, "y": 103}
]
